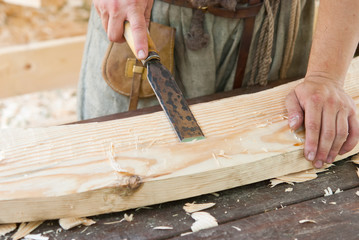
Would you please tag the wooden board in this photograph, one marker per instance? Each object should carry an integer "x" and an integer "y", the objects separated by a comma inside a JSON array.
[
  {"x": 28, "y": 3},
  {"x": 40, "y": 66},
  {"x": 64, "y": 171}
]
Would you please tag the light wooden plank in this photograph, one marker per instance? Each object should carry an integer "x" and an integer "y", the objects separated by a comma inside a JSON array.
[
  {"x": 27, "y": 3},
  {"x": 40, "y": 66},
  {"x": 83, "y": 170}
]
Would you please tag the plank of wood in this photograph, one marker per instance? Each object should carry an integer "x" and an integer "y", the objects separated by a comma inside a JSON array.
[
  {"x": 338, "y": 220},
  {"x": 231, "y": 205},
  {"x": 40, "y": 66},
  {"x": 88, "y": 169}
]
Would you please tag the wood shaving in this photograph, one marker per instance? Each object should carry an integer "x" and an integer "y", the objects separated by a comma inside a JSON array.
[
  {"x": 6, "y": 228},
  {"x": 163, "y": 228},
  {"x": 355, "y": 159},
  {"x": 193, "y": 207},
  {"x": 68, "y": 223},
  {"x": 288, "y": 189},
  {"x": 222, "y": 154},
  {"x": 215, "y": 194},
  {"x": 111, "y": 157},
  {"x": 186, "y": 233},
  {"x": 358, "y": 172},
  {"x": 36, "y": 237},
  {"x": 299, "y": 176},
  {"x": 128, "y": 218},
  {"x": 332, "y": 203},
  {"x": 25, "y": 228},
  {"x": 307, "y": 221},
  {"x": 338, "y": 191},
  {"x": 203, "y": 220},
  {"x": 328, "y": 192},
  {"x": 357, "y": 193},
  {"x": 114, "y": 222},
  {"x": 237, "y": 228}
]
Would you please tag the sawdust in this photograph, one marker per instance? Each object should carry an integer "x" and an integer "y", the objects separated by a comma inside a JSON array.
[{"x": 203, "y": 220}]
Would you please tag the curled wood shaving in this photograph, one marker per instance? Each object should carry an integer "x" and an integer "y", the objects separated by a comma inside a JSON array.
[
  {"x": 299, "y": 176},
  {"x": 203, "y": 220},
  {"x": 193, "y": 207},
  {"x": 307, "y": 221},
  {"x": 68, "y": 223},
  {"x": 328, "y": 192},
  {"x": 332, "y": 203},
  {"x": 25, "y": 228},
  {"x": 357, "y": 193},
  {"x": 6, "y": 228},
  {"x": 163, "y": 228},
  {"x": 128, "y": 218},
  {"x": 215, "y": 194},
  {"x": 288, "y": 189}
]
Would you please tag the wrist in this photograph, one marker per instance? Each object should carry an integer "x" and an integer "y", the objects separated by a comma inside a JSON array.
[{"x": 325, "y": 78}]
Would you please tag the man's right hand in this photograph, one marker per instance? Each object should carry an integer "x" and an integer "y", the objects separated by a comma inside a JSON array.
[{"x": 114, "y": 13}]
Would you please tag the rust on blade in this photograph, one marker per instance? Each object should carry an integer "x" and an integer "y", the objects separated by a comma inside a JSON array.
[{"x": 173, "y": 102}]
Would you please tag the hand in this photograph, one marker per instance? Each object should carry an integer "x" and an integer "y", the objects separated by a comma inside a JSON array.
[
  {"x": 114, "y": 13},
  {"x": 329, "y": 117}
]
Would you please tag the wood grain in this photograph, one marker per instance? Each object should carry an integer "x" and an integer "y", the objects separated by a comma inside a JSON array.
[{"x": 88, "y": 169}]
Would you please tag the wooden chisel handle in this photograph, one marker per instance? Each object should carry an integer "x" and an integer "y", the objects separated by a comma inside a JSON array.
[{"x": 152, "y": 51}]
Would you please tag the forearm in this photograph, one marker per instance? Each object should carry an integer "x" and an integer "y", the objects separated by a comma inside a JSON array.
[{"x": 335, "y": 40}]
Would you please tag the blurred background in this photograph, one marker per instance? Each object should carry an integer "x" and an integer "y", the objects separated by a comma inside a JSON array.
[{"x": 41, "y": 45}]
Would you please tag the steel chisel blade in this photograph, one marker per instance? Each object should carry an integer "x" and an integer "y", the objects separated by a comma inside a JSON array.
[{"x": 173, "y": 102}]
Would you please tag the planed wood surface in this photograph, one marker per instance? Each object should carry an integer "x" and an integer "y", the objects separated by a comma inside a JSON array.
[
  {"x": 67, "y": 171},
  {"x": 40, "y": 66}
]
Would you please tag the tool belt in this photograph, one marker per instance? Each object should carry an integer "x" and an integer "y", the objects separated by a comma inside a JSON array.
[{"x": 127, "y": 76}]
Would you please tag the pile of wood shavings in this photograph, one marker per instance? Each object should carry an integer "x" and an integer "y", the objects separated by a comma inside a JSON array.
[
  {"x": 21, "y": 25},
  {"x": 39, "y": 109}
]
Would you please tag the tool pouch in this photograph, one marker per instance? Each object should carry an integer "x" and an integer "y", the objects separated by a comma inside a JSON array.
[{"x": 126, "y": 75}]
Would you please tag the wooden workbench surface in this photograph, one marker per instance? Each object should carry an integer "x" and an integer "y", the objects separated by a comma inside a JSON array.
[{"x": 254, "y": 211}]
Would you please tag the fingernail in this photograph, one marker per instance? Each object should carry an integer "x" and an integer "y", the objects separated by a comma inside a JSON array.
[
  {"x": 141, "y": 54},
  {"x": 293, "y": 121},
  {"x": 330, "y": 159},
  {"x": 311, "y": 156},
  {"x": 318, "y": 164}
]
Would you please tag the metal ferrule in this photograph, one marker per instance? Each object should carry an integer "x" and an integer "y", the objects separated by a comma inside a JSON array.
[{"x": 151, "y": 56}]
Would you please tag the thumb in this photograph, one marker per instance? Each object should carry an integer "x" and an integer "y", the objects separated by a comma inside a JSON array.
[
  {"x": 139, "y": 33},
  {"x": 295, "y": 111}
]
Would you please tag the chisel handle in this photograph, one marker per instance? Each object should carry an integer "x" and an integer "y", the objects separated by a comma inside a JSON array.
[{"x": 152, "y": 51}]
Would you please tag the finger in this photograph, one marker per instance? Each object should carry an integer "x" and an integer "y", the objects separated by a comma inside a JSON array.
[
  {"x": 341, "y": 135},
  {"x": 115, "y": 28},
  {"x": 148, "y": 12},
  {"x": 327, "y": 133},
  {"x": 313, "y": 119},
  {"x": 295, "y": 111},
  {"x": 353, "y": 136},
  {"x": 139, "y": 32},
  {"x": 104, "y": 19}
]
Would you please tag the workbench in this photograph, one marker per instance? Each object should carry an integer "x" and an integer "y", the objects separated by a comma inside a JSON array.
[{"x": 254, "y": 211}]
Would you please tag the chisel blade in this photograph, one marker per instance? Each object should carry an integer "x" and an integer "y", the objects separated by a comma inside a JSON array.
[{"x": 173, "y": 102}]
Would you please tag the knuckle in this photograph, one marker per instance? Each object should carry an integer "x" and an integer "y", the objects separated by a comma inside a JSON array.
[
  {"x": 313, "y": 127},
  {"x": 316, "y": 98},
  {"x": 329, "y": 134},
  {"x": 342, "y": 134}
]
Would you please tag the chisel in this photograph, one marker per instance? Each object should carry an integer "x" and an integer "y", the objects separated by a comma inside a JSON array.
[{"x": 167, "y": 91}]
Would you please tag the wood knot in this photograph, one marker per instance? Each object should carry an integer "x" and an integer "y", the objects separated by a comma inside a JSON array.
[{"x": 133, "y": 182}]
